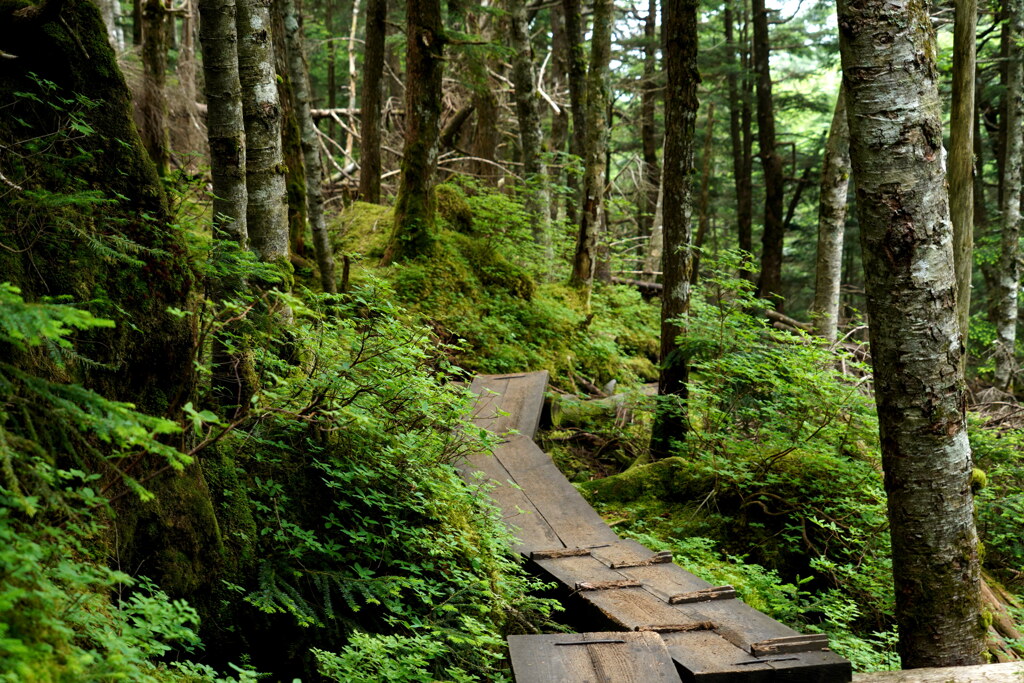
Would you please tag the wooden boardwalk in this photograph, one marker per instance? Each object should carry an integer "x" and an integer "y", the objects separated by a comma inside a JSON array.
[{"x": 614, "y": 585}]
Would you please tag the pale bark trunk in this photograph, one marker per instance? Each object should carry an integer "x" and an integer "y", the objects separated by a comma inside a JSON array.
[
  {"x": 961, "y": 154},
  {"x": 1008, "y": 277},
  {"x": 267, "y": 214},
  {"x": 110, "y": 10},
  {"x": 770, "y": 281},
  {"x": 577, "y": 73},
  {"x": 530, "y": 136},
  {"x": 648, "y": 132},
  {"x": 310, "y": 147},
  {"x": 895, "y": 118},
  {"x": 656, "y": 243},
  {"x": 559, "y": 119},
  {"x": 350, "y": 143},
  {"x": 740, "y": 138},
  {"x": 680, "y": 27},
  {"x": 415, "y": 206},
  {"x": 373, "y": 96},
  {"x": 594, "y": 143},
  {"x": 224, "y": 121},
  {"x": 835, "y": 181}
]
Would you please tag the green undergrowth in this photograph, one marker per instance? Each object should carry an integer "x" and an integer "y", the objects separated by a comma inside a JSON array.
[{"x": 492, "y": 294}]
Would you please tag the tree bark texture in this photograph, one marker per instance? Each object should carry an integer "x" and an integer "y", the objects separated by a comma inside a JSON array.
[
  {"x": 835, "y": 182},
  {"x": 894, "y": 113},
  {"x": 267, "y": 214},
  {"x": 415, "y": 206},
  {"x": 372, "y": 101},
  {"x": 559, "y": 119},
  {"x": 648, "y": 131},
  {"x": 770, "y": 281},
  {"x": 299, "y": 72},
  {"x": 1008, "y": 276},
  {"x": 224, "y": 121},
  {"x": 153, "y": 102},
  {"x": 961, "y": 153},
  {"x": 594, "y": 144},
  {"x": 739, "y": 136},
  {"x": 291, "y": 138},
  {"x": 530, "y": 135},
  {"x": 577, "y": 76},
  {"x": 679, "y": 24}
]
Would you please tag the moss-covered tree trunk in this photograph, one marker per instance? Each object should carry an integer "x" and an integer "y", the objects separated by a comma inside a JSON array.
[
  {"x": 527, "y": 110},
  {"x": 835, "y": 183},
  {"x": 770, "y": 280},
  {"x": 680, "y": 26},
  {"x": 299, "y": 73},
  {"x": 595, "y": 141},
  {"x": 267, "y": 213},
  {"x": 895, "y": 118},
  {"x": 416, "y": 205},
  {"x": 372, "y": 100}
]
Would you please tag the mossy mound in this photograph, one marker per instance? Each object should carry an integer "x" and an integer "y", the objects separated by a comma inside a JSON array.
[{"x": 362, "y": 229}]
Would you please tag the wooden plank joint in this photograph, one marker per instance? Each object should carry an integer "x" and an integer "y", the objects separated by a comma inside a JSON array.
[
  {"x": 704, "y": 595},
  {"x": 800, "y": 643},
  {"x": 665, "y": 556},
  {"x": 559, "y": 552},
  {"x": 677, "y": 628},
  {"x": 607, "y": 585},
  {"x": 602, "y": 641}
]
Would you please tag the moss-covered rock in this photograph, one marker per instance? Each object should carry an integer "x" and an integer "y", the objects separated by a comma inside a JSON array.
[{"x": 453, "y": 208}]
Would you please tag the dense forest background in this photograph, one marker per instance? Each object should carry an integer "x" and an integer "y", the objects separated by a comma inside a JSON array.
[{"x": 250, "y": 253}]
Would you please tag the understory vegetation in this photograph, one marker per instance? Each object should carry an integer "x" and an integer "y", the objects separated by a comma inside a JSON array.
[{"x": 318, "y": 524}]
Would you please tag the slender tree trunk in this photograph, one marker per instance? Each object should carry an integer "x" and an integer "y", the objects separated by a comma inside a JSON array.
[
  {"x": 224, "y": 121},
  {"x": 648, "y": 132},
  {"x": 656, "y": 243},
  {"x": 299, "y": 72},
  {"x": 895, "y": 118},
  {"x": 291, "y": 139},
  {"x": 961, "y": 151},
  {"x": 155, "y": 134},
  {"x": 573, "y": 15},
  {"x": 530, "y": 136},
  {"x": 415, "y": 206},
  {"x": 1008, "y": 278},
  {"x": 559, "y": 119},
  {"x": 680, "y": 28},
  {"x": 743, "y": 148},
  {"x": 332, "y": 65},
  {"x": 594, "y": 143},
  {"x": 372, "y": 101},
  {"x": 137, "y": 22},
  {"x": 835, "y": 182},
  {"x": 350, "y": 142},
  {"x": 704, "y": 202},
  {"x": 770, "y": 281},
  {"x": 267, "y": 211}
]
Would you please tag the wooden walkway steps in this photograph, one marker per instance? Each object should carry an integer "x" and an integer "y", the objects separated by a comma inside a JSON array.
[{"x": 617, "y": 584}]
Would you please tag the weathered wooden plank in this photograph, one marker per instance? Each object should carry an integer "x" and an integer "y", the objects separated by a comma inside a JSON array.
[
  {"x": 571, "y": 570},
  {"x": 521, "y": 396},
  {"x": 577, "y": 524},
  {"x": 810, "y": 667},
  {"x": 706, "y": 657},
  {"x": 995, "y": 673},
  {"x": 611, "y": 658},
  {"x": 528, "y": 525},
  {"x": 703, "y": 595},
  {"x": 799, "y": 643},
  {"x": 559, "y": 552}
]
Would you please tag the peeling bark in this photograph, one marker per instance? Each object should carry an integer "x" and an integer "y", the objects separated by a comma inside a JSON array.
[{"x": 891, "y": 80}]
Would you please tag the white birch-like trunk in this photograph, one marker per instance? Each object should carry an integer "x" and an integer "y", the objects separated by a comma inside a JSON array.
[
  {"x": 1008, "y": 278},
  {"x": 265, "y": 170},
  {"x": 895, "y": 117},
  {"x": 299, "y": 73},
  {"x": 835, "y": 181}
]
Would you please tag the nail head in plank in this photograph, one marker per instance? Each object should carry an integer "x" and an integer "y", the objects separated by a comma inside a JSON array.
[{"x": 606, "y": 657}]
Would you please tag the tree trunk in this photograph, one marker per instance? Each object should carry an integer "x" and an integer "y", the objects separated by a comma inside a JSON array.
[
  {"x": 704, "y": 202},
  {"x": 961, "y": 152},
  {"x": 573, "y": 15},
  {"x": 679, "y": 23},
  {"x": 559, "y": 119},
  {"x": 137, "y": 22},
  {"x": 648, "y": 132},
  {"x": 267, "y": 213},
  {"x": 835, "y": 181},
  {"x": 1008, "y": 277},
  {"x": 656, "y": 243},
  {"x": 740, "y": 137},
  {"x": 372, "y": 100},
  {"x": 770, "y": 281},
  {"x": 291, "y": 139},
  {"x": 350, "y": 142},
  {"x": 299, "y": 72},
  {"x": 895, "y": 118},
  {"x": 153, "y": 102},
  {"x": 332, "y": 65},
  {"x": 224, "y": 121},
  {"x": 594, "y": 143},
  {"x": 415, "y": 206},
  {"x": 530, "y": 136}
]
